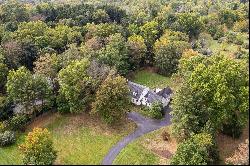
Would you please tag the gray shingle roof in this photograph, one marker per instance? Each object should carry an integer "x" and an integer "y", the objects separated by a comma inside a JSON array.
[
  {"x": 165, "y": 92},
  {"x": 151, "y": 95}
]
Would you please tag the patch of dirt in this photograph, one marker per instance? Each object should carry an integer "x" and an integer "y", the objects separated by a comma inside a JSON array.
[
  {"x": 164, "y": 149},
  {"x": 227, "y": 145},
  {"x": 42, "y": 120},
  {"x": 163, "y": 153},
  {"x": 151, "y": 69}
]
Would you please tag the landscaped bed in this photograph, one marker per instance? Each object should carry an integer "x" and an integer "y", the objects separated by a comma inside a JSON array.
[{"x": 79, "y": 139}]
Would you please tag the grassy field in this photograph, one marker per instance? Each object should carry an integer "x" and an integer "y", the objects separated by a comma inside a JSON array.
[
  {"x": 151, "y": 79},
  {"x": 79, "y": 139},
  {"x": 149, "y": 149}
]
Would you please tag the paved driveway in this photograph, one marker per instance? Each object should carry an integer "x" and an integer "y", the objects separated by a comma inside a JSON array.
[{"x": 144, "y": 125}]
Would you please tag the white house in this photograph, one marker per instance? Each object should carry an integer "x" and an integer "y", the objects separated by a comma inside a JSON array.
[{"x": 142, "y": 95}]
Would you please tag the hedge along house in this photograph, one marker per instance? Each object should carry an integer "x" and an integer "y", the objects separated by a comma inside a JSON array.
[{"x": 142, "y": 95}]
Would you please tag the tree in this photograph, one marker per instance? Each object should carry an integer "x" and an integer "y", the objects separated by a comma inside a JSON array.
[
  {"x": 149, "y": 31},
  {"x": 38, "y": 148},
  {"x": 137, "y": 49},
  {"x": 47, "y": 65},
  {"x": 26, "y": 89},
  {"x": 168, "y": 50},
  {"x": 112, "y": 99},
  {"x": 228, "y": 17},
  {"x": 62, "y": 35},
  {"x": 32, "y": 31},
  {"x": 100, "y": 16},
  {"x": 76, "y": 85},
  {"x": 197, "y": 150},
  {"x": 13, "y": 11},
  {"x": 71, "y": 54},
  {"x": 102, "y": 30},
  {"x": 12, "y": 52},
  {"x": 189, "y": 60},
  {"x": 3, "y": 75},
  {"x": 115, "y": 53},
  {"x": 213, "y": 97},
  {"x": 189, "y": 23}
]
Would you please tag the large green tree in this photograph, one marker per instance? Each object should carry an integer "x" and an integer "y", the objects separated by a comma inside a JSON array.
[
  {"x": 189, "y": 23},
  {"x": 112, "y": 98},
  {"x": 137, "y": 49},
  {"x": 197, "y": 150},
  {"x": 214, "y": 96},
  {"x": 27, "y": 89},
  {"x": 168, "y": 50},
  {"x": 116, "y": 54},
  {"x": 76, "y": 85}
]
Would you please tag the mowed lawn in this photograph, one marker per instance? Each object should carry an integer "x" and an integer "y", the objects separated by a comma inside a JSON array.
[
  {"x": 79, "y": 139},
  {"x": 149, "y": 149},
  {"x": 151, "y": 79}
]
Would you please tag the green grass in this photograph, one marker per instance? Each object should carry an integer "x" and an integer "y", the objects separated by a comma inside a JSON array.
[
  {"x": 135, "y": 154},
  {"x": 77, "y": 141},
  {"x": 152, "y": 80},
  {"x": 138, "y": 152},
  {"x": 11, "y": 155}
]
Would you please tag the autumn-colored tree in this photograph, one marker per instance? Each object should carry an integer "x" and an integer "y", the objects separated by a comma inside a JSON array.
[
  {"x": 189, "y": 60},
  {"x": 47, "y": 65},
  {"x": 38, "y": 148},
  {"x": 12, "y": 51},
  {"x": 112, "y": 99}
]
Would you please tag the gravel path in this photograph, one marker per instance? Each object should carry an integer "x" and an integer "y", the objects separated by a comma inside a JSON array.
[{"x": 144, "y": 125}]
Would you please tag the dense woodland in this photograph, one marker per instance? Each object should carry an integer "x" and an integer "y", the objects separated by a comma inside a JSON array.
[{"x": 76, "y": 56}]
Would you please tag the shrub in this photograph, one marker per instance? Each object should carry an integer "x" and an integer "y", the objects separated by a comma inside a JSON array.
[
  {"x": 165, "y": 136},
  {"x": 7, "y": 138},
  {"x": 17, "y": 122},
  {"x": 38, "y": 148},
  {"x": 2, "y": 126},
  {"x": 156, "y": 110},
  {"x": 197, "y": 150}
]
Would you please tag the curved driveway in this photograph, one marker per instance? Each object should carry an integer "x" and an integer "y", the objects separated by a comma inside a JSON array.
[{"x": 144, "y": 125}]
